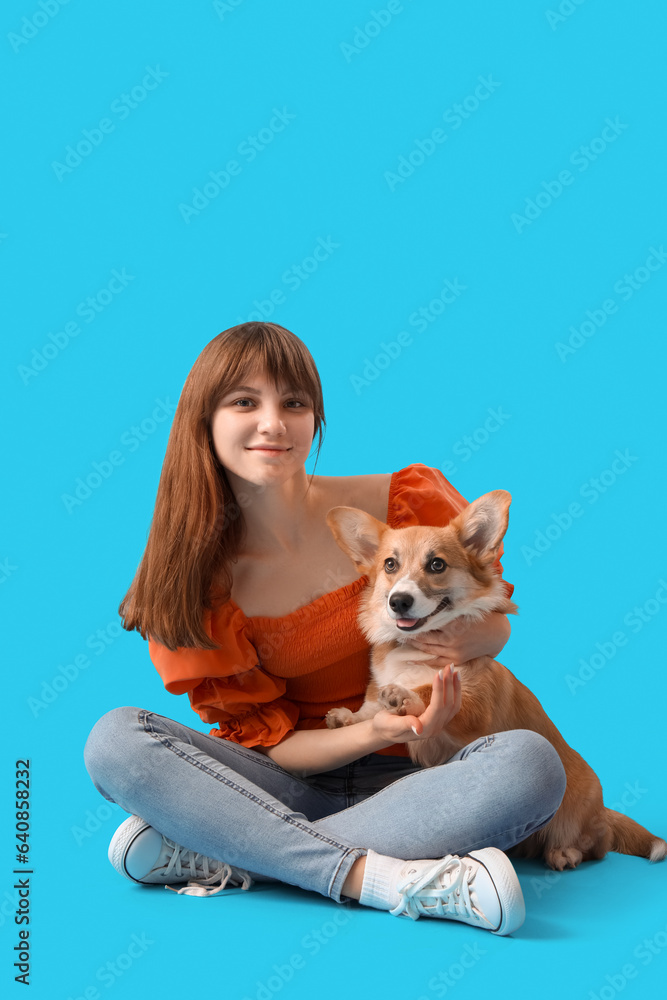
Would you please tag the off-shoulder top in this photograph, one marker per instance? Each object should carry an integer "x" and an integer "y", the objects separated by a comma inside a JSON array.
[{"x": 271, "y": 676}]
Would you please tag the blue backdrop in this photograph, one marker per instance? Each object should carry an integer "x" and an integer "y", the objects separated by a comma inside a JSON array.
[{"x": 460, "y": 208}]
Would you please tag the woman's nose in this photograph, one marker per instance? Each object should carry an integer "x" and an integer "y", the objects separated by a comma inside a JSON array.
[{"x": 272, "y": 421}]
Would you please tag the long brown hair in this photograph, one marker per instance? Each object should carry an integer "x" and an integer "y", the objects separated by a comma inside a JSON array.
[{"x": 198, "y": 527}]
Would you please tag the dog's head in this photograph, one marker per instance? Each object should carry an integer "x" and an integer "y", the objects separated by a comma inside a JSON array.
[{"x": 421, "y": 578}]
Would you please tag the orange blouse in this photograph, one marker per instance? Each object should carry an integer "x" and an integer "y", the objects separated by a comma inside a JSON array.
[{"x": 271, "y": 676}]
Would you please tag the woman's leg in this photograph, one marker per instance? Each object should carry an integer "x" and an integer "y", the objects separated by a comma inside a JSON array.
[
  {"x": 461, "y": 815},
  {"x": 218, "y": 799},
  {"x": 492, "y": 793}
]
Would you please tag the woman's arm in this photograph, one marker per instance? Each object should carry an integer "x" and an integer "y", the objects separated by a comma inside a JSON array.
[{"x": 311, "y": 751}]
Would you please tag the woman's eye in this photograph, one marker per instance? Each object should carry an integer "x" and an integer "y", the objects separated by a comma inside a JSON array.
[
  {"x": 390, "y": 565},
  {"x": 299, "y": 403},
  {"x": 437, "y": 565}
]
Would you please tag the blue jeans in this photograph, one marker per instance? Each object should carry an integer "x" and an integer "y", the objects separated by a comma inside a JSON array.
[{"x": 228, "y": 802}]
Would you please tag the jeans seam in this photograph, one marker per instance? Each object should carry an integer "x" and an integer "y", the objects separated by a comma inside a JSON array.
[
  {"x": 257, "y": 758},
  {"x": 239, "y": 788},
  {"x": 357, "y": 852},
  {"x": 238, "y": 748}
]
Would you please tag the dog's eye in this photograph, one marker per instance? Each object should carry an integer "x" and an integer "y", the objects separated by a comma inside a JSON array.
[
  {"x": 437, "y": 565},
  {"x": 390, "y": 565}
]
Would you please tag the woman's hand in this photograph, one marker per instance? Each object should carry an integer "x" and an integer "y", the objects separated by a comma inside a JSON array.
[
  {"x": 445, "y": 703},
  {"x": 461, "y": 640}
]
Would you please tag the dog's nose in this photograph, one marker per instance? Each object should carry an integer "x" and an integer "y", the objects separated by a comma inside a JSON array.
[{"x": 401, "y": 603}]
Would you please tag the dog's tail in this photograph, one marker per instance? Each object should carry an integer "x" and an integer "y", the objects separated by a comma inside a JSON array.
[{"x": 631, "y": 838}]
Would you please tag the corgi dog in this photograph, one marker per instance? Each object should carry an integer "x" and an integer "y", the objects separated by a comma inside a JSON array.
[{"x": 421, "y": 578}]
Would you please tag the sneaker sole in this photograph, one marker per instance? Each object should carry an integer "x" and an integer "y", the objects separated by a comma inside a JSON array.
[
  {"x": 122, "y": 840},
  {"x": 512, "y": 906}
]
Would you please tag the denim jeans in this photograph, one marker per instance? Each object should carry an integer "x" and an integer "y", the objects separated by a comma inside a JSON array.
[{"x": 234, "y": 804}]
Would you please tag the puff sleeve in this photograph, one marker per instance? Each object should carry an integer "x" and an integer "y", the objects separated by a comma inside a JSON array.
[
  {"x": 421, "y": 495},
  {"x": 227, "y": 686}
]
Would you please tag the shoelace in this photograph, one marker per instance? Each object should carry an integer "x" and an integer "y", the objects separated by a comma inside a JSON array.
[
  {"x": 421, "y": 898},
  {"x": 203, "y": 880}
]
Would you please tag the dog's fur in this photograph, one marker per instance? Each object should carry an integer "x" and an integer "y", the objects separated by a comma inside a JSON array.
[{"x": 493, "y": 700}]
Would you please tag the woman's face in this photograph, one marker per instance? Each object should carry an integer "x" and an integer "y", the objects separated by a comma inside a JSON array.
[{"x": 263, "y": 434}]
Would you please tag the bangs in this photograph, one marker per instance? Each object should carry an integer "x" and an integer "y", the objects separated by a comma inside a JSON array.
[{"x": 268, "y": 350}]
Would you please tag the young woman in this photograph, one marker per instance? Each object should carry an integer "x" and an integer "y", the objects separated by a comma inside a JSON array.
[{"x": 250, "y": 607}]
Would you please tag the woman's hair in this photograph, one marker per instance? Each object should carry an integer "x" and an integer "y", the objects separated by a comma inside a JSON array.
[{"x": 198, "y": 527}]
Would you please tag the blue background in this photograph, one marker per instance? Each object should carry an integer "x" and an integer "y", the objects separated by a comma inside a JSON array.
[{"x": 360, "y": 99}]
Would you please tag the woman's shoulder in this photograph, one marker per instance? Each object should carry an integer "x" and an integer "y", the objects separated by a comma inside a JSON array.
[
  {"x": 368, "y": 492},
  {"x": 376, "y": 492},
  {"x": 415, "y": 494},
  {"x": 417, "y": 472}
]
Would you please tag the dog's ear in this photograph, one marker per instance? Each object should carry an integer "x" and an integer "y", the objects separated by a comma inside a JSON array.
[
  {"x": 483, "y": 523},
  {"x": 357, "y": 533}
]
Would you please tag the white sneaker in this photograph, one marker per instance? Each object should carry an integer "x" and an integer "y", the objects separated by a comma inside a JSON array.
[
  {"x": 141, "y": 854},
  {"x": 480, "y": 889}
]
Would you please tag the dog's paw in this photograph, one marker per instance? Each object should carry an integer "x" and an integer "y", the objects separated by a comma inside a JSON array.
[
  {"x": 400, "y": 701},
  {"x": 338, "y": 717},
  {"x": 560, "y": 858}
]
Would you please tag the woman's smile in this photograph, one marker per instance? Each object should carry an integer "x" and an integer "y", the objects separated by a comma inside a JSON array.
[{"x": 267, "y": 448}]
